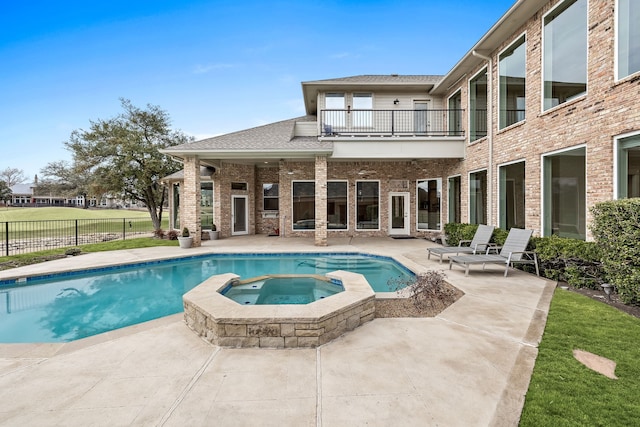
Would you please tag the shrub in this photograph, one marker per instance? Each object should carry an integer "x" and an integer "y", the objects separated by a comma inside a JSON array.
[
  {"x": 573, "y": 261},
  {"x": 73, "y": 251},
  {"x": 172, "y": 235},
  {"x": 456, "y": 232},
  {"x": 185, "y": 232},
  {"x": 426, "y": 290},
  {"x": 616, "y": 228},
  {"x": 159, "y": 233}
]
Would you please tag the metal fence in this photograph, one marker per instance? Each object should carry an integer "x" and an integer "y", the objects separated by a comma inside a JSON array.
[{"x": 18, "y": 237}]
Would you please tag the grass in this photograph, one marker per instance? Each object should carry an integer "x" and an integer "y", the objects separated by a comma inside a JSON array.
[
  {"x": 563, "y": 392},
  {"x": 20, "y": 260},
  {"x": 59, "y": 221},
  {"x": 59, "y": 213}
]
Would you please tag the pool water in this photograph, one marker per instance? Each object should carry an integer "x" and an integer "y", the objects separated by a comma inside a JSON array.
[
  {"x": 67, "y": 307},
  {"x": 282, "y": 290}
]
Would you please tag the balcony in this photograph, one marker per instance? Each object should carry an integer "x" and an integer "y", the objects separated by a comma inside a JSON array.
[{"x": 388, "y": 123}]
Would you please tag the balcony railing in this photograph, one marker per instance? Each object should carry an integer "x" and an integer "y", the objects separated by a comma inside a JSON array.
[{"x": 418, "y": 123}]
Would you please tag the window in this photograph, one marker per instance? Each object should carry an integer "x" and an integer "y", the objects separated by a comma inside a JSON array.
[
  {"x": 564, "y": 194},
  {"x": 335, "y": 112},
  {"x": 176, "y": 205},
  {"x": 362, "y": 119},
  {"x": 240, "y": 186},
  {"x": 206, "y": 205},
  {"x": 512, "y": 196},
  {"x": 429, "y": 191},
  {"x": 304, "y": 205},
  {"x": 455, "y": 114},
  {"x": 337, "y": 205},
  {"x": 478, "y": 106},
  {"x": 628, "y": 167},
  {"x": 565, "y": 53},
  {"x": 270, "y": 197},
  {"x": 455, "y": 212},
  {"x": 512, "y": 83},
  {"x": 367, "y": 205},
  {"x": 478, "y": 197},
  {"x": 628, "y": 37}
]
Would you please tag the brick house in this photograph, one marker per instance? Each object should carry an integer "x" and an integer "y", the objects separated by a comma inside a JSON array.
[{"x": 538, "y": 122}]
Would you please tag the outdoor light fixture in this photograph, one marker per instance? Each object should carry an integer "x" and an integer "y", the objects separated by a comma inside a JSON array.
[
  {"x": 396, "y": 101},
  {"x": 607, "y": 290}
]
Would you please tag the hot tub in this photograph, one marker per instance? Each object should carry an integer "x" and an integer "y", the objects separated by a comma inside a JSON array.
[{"x": 282, "y": 289}]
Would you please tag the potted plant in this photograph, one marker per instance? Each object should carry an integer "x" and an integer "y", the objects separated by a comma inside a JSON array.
[
  {"x": 214, "y": 233},
  {"x": 185, "y": 240}
]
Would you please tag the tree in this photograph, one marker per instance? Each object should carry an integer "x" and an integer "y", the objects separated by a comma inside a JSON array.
[
  {"x": 64, "y": 179},
  {"x": 12, "y": 176},
  {"x": 120, "y": 155},
  {"x": 5, "y": 192}
]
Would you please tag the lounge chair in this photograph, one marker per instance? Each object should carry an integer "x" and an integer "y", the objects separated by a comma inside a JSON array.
[
  {"x": 513, "y": 251},
  {"x": 478, "y": 244}
]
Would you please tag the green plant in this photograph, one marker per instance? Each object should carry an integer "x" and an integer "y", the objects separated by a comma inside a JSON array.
[
  {"x": 213, "y": 228},
  {"x": 573, "y": 261},
  {"x": 72, "y": 251},
  {"x": 185, "y": 232},
  {"x": 456, "y": 232},
  {"x": 616, "y": 228}
]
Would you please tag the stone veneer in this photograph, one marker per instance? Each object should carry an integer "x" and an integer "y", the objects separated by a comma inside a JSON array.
[{"x": 225, "y": 323}]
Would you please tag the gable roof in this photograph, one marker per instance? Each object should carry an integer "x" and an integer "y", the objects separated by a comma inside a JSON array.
[{"x": 394, "y": 82}]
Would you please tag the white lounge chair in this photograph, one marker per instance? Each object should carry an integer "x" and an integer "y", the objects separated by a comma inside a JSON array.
[
  {"x": 513, "y": 251},
  {"x": 478, "y": 244}
]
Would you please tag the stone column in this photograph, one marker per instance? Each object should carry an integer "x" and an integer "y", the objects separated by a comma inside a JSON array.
[
  {"x": 321, "y": 201},
  {"x": 190, "y": 209}
]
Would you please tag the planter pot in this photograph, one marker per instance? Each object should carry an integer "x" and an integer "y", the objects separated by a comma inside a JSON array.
[
  {"x": 185, "y": 242},
  {"x": 213, "y": 235}
]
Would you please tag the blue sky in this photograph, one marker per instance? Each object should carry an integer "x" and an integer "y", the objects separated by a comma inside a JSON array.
[{"x": 214, "y": 66}]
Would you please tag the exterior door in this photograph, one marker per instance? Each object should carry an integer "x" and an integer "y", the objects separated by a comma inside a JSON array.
[
  {"x": 421, "y": 123},
  {"x": 239, "y": 215},
  {"x": 399, "y": 214}
]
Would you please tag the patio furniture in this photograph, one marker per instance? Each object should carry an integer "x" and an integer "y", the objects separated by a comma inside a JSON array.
[
  {"x": 513, "y": 251},
  {"x": 479, "y": 243}
]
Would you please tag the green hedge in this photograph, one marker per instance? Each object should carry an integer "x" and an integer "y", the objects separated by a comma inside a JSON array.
[{"x": 616, "y": 229}]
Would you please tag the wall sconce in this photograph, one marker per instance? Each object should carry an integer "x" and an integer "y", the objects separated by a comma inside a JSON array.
[{"x": 396, "y": 101}]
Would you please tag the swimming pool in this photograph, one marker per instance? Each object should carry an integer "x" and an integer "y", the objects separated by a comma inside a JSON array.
[{"x": 70, "y": 306}]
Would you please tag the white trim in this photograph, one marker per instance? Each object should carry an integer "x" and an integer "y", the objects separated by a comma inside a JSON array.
[
  {"x": 513, "y": 42},
  {"x": 355, "y": 205},
  {"x": 314, "y": 211},
  {"x": 484, "y": 69},
  {"x": 616, "y": 24},
  {"x": 439, "y": 181},
  {"x": 246, "y": 214},
  {"x": 459, "y": 90},
  {"x": 469, "y": 192},
  {"x": 406, "y": 230},
  {"x": 616, "y": 148},
  {"x": 346, "y": 181},
  {"x": 449, "y": 193},
  {"x": 586, "y": 183},
  {"x": 498, "y": 181},
  {"x": 542, "y": 54}
]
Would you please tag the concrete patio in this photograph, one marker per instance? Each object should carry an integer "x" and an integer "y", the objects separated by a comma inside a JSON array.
[{"x": 469, "y": 366}]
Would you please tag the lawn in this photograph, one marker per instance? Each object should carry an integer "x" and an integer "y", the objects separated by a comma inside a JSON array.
[
  {"x": 59, "y": 213},
  {"x": 563, "y": 392}
]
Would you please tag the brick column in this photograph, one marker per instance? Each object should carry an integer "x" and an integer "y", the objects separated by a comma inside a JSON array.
[
  {"x": 321, "y": 201},
  {"x": 190, "y": 208}
]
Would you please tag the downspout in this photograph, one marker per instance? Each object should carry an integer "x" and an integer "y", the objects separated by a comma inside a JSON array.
[{"x": 489, "y": 131}]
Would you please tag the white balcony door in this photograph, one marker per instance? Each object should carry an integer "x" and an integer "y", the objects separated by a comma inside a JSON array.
[
  {"x": 239, "y": 215},
  {"x": 421, "y": 123},
  {"x": 399, "y": 214}
]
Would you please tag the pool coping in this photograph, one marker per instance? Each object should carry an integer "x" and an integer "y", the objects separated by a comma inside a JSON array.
[{"x": 226, "y": 323}]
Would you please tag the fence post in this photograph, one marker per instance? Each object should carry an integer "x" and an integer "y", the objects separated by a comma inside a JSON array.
[
  {"x": 124, "y": 228},
  {"x": 6, "y": 236},
  {"x": 76, "y": 232}
]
